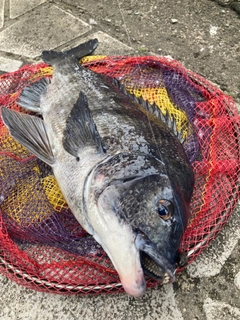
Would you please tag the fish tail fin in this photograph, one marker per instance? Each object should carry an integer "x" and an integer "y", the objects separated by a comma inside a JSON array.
[{"x": 78, "y": 52}]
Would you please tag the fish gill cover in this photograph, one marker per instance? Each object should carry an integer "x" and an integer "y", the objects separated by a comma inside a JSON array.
[{"x": 43, "y": 247}]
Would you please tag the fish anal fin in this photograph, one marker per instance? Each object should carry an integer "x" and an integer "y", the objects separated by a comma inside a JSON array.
[
  {"x": 31, "y": 95},
  {"x": 29, "y": 131},
  {"x": 81, "y": 130}
]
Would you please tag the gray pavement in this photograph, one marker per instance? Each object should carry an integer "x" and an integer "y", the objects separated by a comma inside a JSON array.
[{"x": 209, "y": 288}]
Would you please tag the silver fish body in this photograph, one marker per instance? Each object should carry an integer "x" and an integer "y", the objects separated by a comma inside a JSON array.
[{"x": 125, "y": 177}]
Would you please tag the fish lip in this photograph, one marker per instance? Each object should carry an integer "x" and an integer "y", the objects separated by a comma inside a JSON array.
[{"x": 145, "y": 246}]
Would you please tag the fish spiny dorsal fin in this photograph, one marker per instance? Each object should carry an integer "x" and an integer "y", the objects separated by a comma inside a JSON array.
[
  {"x": 151, "y": 109},
  {"x": 80, "y": 129},
  {"x": 51, "y": 57},
  {"x": 30, "y": 131},
  {"x": 31, "y": 95}
]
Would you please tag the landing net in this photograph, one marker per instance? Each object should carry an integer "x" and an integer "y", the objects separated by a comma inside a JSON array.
[{"x": 43, "y": 247}]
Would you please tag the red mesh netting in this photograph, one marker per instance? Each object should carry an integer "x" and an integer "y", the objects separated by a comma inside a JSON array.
[{"x": 41, "y": 244}]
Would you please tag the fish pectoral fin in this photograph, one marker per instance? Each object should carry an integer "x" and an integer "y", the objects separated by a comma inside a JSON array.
[
  {"x": 81, "y": 130},
  {"x": 78, "y": 52},
  {"x": 30, "y": 131},
  {"x": 30, "y": 96}
]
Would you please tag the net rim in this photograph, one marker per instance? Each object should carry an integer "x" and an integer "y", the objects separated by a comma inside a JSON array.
[{"x": 99, "y": 287}]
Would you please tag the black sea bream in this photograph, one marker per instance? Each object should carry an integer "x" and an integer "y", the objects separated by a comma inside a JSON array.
[{"x": 124, "y": 175}]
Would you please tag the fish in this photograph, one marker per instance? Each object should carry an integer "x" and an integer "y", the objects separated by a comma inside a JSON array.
[{"x": 119, "y": 163}]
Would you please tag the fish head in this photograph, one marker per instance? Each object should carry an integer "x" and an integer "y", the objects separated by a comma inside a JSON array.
[{"x": 138, "y": 216}]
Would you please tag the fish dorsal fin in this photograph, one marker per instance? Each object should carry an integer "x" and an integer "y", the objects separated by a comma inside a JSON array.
[
  {"x": 30, "y": 131},
  {"x": 81, "y": 130},
  {"x": 152, "y": 109},
  {"x": 31, "y": 95},
  {"x": 78, "y": 52}
]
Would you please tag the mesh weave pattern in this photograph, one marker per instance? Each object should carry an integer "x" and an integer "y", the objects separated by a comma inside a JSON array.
[{"x": 43, "y": 247}]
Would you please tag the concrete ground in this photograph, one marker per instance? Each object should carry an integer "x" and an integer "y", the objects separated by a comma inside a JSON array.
[{"x": 202, "y": 34}]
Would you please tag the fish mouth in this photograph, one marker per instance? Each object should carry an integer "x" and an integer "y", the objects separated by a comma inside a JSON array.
[{"x": 154, "y": 264}]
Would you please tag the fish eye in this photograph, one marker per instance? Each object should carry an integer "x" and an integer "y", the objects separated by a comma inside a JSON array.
[{"x": 165, "y": 209}]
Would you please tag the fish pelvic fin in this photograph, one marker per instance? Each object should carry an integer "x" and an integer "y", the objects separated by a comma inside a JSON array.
[
  {"x": 31, "y": 95},
  {"x": 30, "y": 131},
  {"x": 151, "y": 110},
  {"x": 78, "y": 52},
  {"x": 81, "y": 130}
]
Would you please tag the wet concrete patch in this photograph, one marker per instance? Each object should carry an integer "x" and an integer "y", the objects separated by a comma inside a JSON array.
[
  {"x": 46, "y": 27},
  {"x": 19, "y": 7}
]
